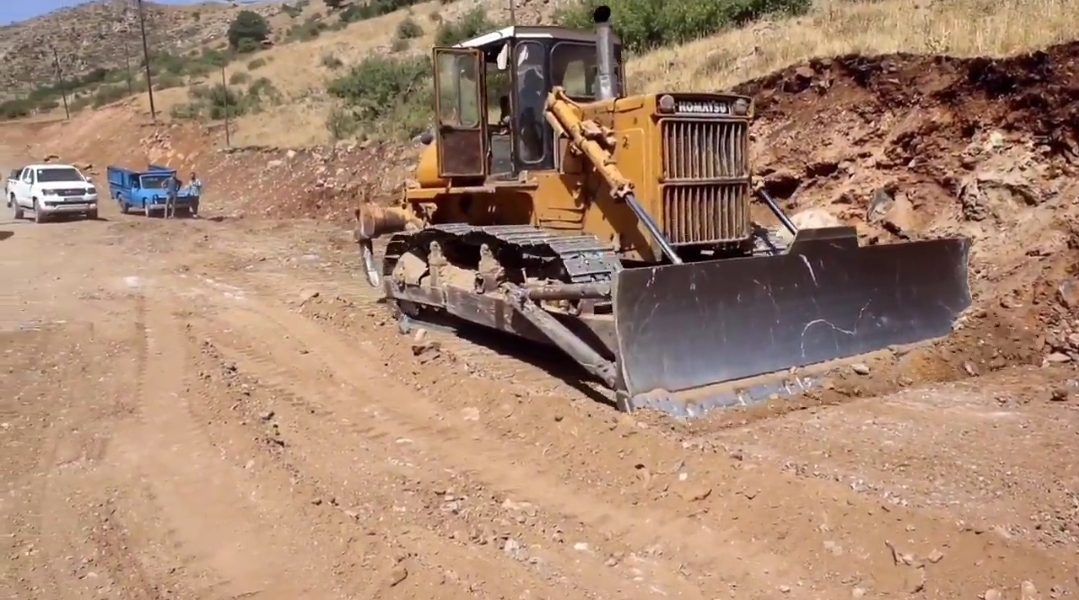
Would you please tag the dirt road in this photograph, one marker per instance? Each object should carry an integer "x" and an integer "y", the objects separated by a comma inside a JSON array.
[{"x": 219, "y": 409}]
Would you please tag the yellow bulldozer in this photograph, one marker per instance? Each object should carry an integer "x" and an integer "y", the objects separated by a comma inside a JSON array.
[{"x": 618, "y": 229}]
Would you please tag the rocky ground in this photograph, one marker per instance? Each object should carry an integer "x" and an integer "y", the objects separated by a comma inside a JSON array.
[{"x": 219, "y": 408}]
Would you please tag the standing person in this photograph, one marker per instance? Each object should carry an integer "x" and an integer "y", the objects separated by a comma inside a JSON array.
[
  {"x": 170, "y": 198},
  {"x": 195, "y": 186}
]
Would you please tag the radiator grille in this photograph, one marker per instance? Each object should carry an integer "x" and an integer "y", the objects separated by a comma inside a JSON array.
[
  {"x": 704, "y": 149},
  {"x": 706, "y": 214}
]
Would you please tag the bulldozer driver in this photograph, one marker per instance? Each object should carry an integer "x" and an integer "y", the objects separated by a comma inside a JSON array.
[
  {"x": 532, "y": 92},
  {"x": 505, "y": 115}
]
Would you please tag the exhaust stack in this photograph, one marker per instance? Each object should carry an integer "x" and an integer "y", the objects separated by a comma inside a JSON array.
[{"x": 605, "y": 68}]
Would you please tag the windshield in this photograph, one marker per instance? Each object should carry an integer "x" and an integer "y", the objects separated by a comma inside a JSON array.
[
  {"x": 573, "y": 66},
  {"x": 155, "y": 182},
  {"x": 58, "y": 175}
]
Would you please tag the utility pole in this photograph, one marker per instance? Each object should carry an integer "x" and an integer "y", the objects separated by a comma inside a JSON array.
[
  {"x": 127, "y": 52},
  {"x": 127, "y": 67},
  {"x": 513, "y": 14},
  {"x": 60, "y": 78},
  {"x": 225, "y": 89},
  {"x": 146, "y": 59}
]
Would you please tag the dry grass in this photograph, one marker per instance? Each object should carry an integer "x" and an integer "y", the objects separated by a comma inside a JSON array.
[{"x": 834, "y": 27}]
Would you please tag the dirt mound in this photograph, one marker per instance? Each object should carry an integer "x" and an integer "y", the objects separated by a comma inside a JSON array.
[{"x": 909, "y": 147}]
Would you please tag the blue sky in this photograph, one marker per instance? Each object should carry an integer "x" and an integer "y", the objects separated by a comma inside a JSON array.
[{"x": 20, "y": 10}]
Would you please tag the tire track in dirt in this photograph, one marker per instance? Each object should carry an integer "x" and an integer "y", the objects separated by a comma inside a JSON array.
[
  {"x": 366, "y": 562},
  {"x": 65, "y": 509},
  {"x": 192, "y": 493},
  {"x": 384, "y": 482},
  {"x": 317, "y": 354},
  {"x": 23, "y": 510}
]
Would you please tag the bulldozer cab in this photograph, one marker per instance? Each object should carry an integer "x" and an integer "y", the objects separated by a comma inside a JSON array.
[{"x": 491, "y": 95}]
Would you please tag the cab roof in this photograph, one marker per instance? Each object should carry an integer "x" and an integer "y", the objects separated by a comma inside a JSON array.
[
  {"x": 50, "y": 166},
  {"x": 530, "y": 32}
]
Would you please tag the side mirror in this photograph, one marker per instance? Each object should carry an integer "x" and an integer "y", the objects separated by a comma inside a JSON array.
[{"x": 89, "y": 180}]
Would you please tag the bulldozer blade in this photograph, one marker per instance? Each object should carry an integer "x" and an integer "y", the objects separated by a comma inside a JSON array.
[{"x": 683, "y": 328}]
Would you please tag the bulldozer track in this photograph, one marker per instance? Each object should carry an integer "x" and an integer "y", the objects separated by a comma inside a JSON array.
[{"x": 583, "y": 258}]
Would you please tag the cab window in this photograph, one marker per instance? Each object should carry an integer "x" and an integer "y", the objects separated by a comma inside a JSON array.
[
  {"x": 458, "y": 101},
  {"x": 532, "y": 98},
  {"x": 573, "y": 66}
]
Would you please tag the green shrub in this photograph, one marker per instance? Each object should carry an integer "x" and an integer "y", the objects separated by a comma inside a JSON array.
[
  {"x": 167, "y": 81},
  {"x": 248, "y": 25},
  {"x": 261, "y": 90},
  {"x": 107, "y": 94},
  {"x": 247, "y": 46},
  {"x": 16, "y": 109},
  {"x": 646, "y": 24},
  {"x": 239, "y": 77},
  {"x": 331, "y": 62},
  {"x": 385, "y": 94},
  {"x": 341, "y": 123},
  {"x": 195, "y": 64},
  {"x": 408, "y": 29},
  {"x": 255, "y": 64},
  {"x": 399, "y": 45},
  {"x": 310, "y": 29},
  {"x": 218, "y": 101},
  {"x": 185, "y": 111},
  {"x": 374, "y": 8},
  {"x": 472, "y": 24},
  {"x": 79, "y": 103}
]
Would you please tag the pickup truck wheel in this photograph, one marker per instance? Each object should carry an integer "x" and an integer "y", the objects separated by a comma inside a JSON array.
[
  {"x": 92, "y": 215},
  {"x": 38, "y": 217},
  {"x": 123, "y": 205},
  {"x": 18, "y": 209}
]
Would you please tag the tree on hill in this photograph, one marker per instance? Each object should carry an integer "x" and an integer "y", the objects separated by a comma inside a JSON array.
[
  {"x": 248, "y": 30},
  {"x": 334, "y": 4}
]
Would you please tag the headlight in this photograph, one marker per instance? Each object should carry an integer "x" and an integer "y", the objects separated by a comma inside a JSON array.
[
  {"x": 666, "y": 104},
  {"x": 91, "y": 190}
]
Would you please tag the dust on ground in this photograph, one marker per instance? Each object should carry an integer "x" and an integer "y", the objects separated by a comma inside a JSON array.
[{"x": 221, "y": 408}]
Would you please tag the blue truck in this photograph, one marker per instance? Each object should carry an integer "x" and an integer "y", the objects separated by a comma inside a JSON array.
[{"x": 148, "y": 190}]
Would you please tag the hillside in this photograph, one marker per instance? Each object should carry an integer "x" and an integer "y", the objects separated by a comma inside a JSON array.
[
  {"x": 93, "y": 39},
  {"x": 304, "y": 90}
]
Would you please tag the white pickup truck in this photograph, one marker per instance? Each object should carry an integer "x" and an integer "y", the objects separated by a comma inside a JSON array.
[{"x": 51, "y": 189}]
